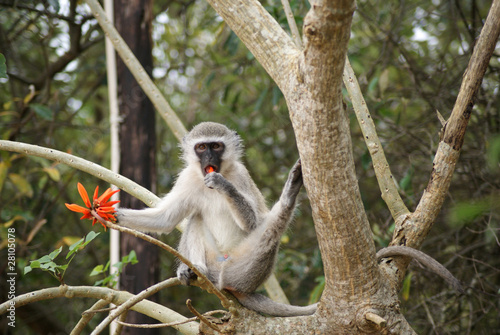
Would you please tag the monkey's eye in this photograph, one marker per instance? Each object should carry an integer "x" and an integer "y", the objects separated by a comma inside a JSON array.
[
  {"x": 200, "y": 147},
  {"x": 217, "y": 146}
]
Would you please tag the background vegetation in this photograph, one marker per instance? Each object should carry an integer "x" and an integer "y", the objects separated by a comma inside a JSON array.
[{"x": 409, "y": 58}]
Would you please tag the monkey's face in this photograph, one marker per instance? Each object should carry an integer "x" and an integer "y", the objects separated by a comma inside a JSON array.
[{"x": 210, "y": 156}]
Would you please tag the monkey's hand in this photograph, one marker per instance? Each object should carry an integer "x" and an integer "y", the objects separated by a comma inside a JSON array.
[
  {"x": 292, "y": 185},
  {"x": 185, "y": 274},
  {"x": 215, "y": 181}
]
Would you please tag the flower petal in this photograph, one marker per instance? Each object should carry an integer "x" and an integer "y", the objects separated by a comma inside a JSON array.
[
  {"x": 84, "y": 195},
  {"x": 86, "y": 216},
  {"x": 96, "y": 193},
  {"x": 110, "y": 203},
  {"x": 106, "y": 195},
  {"x": 77, "y": 208}
]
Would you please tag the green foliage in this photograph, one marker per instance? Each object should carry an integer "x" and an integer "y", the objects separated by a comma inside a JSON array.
[
  {"x": 318, "y": 290},
  {"x": 46, "y": 263},
  {"x": 111, "y": 280},
  {"x": 3, "y": 67}
]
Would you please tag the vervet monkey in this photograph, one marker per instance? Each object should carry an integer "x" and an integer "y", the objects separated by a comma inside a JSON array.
[{"x": 231, "y": 236}]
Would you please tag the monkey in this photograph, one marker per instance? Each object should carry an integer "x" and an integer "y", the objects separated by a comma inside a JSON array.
[{"x": 231, "y": 236}]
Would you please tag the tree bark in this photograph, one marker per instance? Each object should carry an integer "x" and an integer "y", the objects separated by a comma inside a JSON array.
[
  {"x": 137, "y": 142},
  {"x": 311, "y": 83}
]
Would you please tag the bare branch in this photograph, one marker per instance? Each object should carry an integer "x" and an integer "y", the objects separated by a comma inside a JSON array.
[
  {"x": 91, "y": 168},
  {"x": 146, "y": 307},
  {"x": 134, "y": 300},
  {"x": 86, "y": 317},
  {"x": 386, "y": 182},
  {"x": 291, "y": 23}
]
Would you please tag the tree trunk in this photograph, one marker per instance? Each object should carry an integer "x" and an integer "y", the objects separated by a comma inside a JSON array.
[{"x": 137, "y": 142}]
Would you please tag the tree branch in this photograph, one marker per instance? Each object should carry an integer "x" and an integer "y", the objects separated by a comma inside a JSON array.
[
  {"x": 146, "y": 307},
  {"x": 414, "y": 229},
  {"x": 86, "y": 317},
  {"x": 91, "y": 168},
  {"x": 291, "y": 23},
  {"x": 134, "y": 300},
  {"x": 386, "y": 182}
]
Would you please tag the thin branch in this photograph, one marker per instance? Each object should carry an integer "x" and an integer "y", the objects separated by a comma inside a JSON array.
[
  {"x": 87, "y": 316},
  {"x": 134, "y": 300},
  {"x": 164, "y": 325},
  {"x": 143, "y": 79},
  {"x": 292, "y": 24},
  {"x": 386, "y": 182},
  {"x": 201, "y": 317},
  {"x": 154, "y": 310},
  {"x": 81, "y": 164}
]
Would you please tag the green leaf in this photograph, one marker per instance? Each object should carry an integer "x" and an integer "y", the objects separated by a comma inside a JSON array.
[
  {"x": 53, "y": 173},
  {"x": 55, "y": 253},
  {"x": 43, "y": 111},
  {"x": 405, "y": 292},
  {"x": 317, "y": 290},
  {"x": 35, "y": 264},
  {"x": 27, "y": 269},
  {"x": 3, "y": 173},
  {"x": 97, "y": 270},
  {"x": 22, "y": 185},
  {"x": 464, "y": 213},
  {"x": 74, "y": 247},
  {"x": 3, "y": 67},
  {"x": 90, "y": 236},
  {"x": 44, "y": 259},
  {"x": 50, "y": 266}
]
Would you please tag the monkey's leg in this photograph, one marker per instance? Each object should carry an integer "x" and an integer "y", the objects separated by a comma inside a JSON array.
[
  {"x": 253, "y": 261},
  {"x": 192, "y": 247}
]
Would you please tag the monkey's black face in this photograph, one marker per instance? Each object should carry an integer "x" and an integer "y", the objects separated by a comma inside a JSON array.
[{"x": 210, "y": 155}]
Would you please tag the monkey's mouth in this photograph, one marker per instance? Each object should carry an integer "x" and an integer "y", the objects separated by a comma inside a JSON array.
[{"x": 209, "y": 169}]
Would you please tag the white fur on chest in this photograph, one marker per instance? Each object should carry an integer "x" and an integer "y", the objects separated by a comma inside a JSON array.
[{"x": 220, "y": 228}]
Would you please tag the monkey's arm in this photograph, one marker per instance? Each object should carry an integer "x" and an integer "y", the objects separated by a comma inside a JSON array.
[
  {"x": 243, "y": 210},
  {"x": 163, "y": 218},
  {"x": 424, "y": 259}
]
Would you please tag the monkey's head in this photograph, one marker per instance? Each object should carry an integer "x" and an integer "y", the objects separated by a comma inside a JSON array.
[{"x": 212, "y": 146}]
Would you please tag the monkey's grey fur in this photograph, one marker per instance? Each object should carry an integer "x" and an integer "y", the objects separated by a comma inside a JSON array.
[{"x": 231, "y": 235}]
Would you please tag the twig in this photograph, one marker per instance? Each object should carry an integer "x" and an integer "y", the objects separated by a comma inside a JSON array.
[
  {"x": 146, "y": 307},
  {"x": 134, "y": 300},
  {"x": 87, "y": 316},
  {"x": 171, "y": 324},
  {"x": 201, "y": 317},
  {"x": 291, "y": 23},
  {"x": 386, "y": 182},
  {"x": 376, "y": 319},
  {"x": 143, "y": 79}
]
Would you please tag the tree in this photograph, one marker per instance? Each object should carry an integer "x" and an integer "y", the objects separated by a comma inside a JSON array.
[
  {"x": 359, "y": 295},
  {"x": 138, "y": 144}
]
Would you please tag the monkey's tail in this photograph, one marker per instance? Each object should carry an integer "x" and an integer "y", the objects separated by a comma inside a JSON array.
[
  {"x": 424, "y": 259},
  {"x": 262, "y": 304}
]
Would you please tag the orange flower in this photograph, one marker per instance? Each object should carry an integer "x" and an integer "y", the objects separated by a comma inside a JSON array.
[{"x": 100, "y": 205}]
